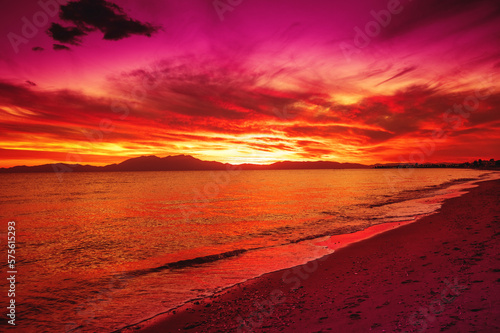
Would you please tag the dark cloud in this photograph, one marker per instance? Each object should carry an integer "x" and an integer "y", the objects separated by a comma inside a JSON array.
[
  {"x": 51, "y": 130},
  {"x": 92, "y": 15},
  {"x": 417, "y": 14},
  {"x": 62, "y": 107},
  {"x": 66, "y": 35},
  {"x": 270, "y": 147},
  {"x": 401, "y": 73},
  {"x": 206, "y": 90},
  {"x": 31, "y": 83},
  {"x": 59, "y": 47},
  {"x": 38, "y": 48}
]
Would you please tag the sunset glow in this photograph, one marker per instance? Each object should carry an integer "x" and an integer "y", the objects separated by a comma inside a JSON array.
[{"x": 259, "y": 82}]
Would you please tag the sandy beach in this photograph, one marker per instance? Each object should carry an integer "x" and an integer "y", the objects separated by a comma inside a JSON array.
[{"x": 441, "y": 273}]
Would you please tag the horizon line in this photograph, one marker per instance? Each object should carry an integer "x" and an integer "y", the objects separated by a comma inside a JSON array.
[{"x": 385, "y": 163}]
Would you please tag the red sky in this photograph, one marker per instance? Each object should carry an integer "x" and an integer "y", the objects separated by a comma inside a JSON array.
[{"x": 255, "y": 81}]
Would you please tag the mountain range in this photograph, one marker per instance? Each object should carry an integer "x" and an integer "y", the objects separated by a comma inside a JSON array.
[{"x": 178, "y": 163}]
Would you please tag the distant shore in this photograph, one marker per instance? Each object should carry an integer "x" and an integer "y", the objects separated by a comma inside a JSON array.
[
  {"x": 437, "y": 274},
  {"x": 190, "y": 163}
]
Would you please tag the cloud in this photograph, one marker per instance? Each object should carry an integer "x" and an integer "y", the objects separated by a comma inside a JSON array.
[
  {"x": 59, "y": 47},
  {"x": 234, "y": 101},
  {"x": 92, "y": 15},
  {"x": 210, "y": 90},
  {"x": 462, "y": 14},
  {"x": 401, "y": 73},
  {"x": 38, "y": 48},
  {"x": 55, "y": 108},
  {"x": 66, "y": 35},
  {"x": 199, "y": 106}
]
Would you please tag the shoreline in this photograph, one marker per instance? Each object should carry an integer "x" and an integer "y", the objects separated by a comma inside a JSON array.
[{"x": 291, "y": 299}]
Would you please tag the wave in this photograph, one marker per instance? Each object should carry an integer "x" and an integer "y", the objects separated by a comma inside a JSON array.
[
  {"x": 188, "y": 262},
  {"x": 423, "y": 192}
]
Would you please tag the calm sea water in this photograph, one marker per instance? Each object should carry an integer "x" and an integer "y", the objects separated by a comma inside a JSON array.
[{"x": 98, "y": 251}]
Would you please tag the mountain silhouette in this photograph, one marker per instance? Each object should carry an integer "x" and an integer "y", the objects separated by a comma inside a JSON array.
[{"x": 177, "y": 163}]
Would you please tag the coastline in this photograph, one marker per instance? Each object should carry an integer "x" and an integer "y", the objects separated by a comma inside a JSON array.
[{"x": 439, "y": 272}]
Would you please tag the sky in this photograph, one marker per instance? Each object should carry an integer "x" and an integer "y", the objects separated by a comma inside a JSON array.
[{"x": 249, "y": 81}]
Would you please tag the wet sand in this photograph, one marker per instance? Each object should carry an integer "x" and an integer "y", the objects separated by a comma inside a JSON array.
[{"x": 441, "y": 273}]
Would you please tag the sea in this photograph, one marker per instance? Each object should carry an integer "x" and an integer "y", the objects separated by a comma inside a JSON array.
[{"x": 96, "y": 252}]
